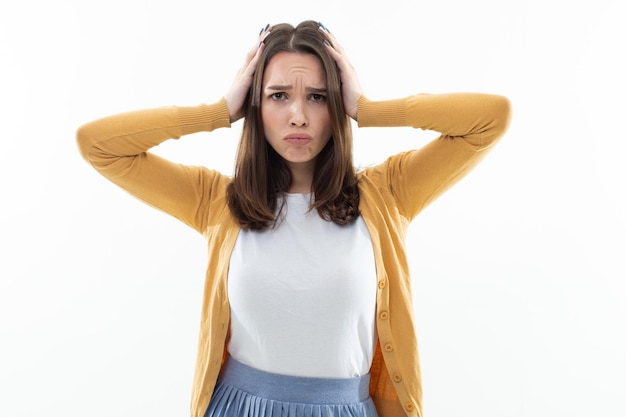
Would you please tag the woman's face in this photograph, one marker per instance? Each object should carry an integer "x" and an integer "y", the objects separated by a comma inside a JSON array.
[{"x": 294, "y": 108}]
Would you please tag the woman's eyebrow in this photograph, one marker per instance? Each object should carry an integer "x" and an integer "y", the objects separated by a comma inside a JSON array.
[
  {"x": 289, "y": 87},
  {"x": 316, "y": 90}
]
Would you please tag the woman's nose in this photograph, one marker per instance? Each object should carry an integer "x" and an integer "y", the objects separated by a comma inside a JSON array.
[{"x": 298, "y": 114}]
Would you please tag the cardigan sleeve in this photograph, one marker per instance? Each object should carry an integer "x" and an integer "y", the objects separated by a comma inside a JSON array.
[
  {"x": 469, "y": 125},
  {"x": 118, "y": 148}
]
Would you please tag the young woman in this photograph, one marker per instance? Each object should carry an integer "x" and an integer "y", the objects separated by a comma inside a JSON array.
[{"x": 307, "y": 305}]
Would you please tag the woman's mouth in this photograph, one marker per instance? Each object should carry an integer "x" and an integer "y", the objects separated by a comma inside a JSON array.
[{"x": 298, "y": 139}]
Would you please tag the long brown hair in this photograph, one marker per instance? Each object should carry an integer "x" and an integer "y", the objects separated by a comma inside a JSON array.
[{"x": 262, "y": 176}]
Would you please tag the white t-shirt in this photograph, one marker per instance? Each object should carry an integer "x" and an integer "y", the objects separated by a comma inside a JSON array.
[{"x": 303, "y": 296}]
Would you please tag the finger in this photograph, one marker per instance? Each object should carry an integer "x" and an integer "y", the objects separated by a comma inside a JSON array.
[
  {"x": 253, "y": 54},
  {"x": 251, "y": 67},
  {"x": 262, "y": 35},
  {"x": 339, "y": 57},
  {"x": 331, "y": 38}
]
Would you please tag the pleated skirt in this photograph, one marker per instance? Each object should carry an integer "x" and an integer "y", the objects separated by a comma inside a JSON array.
[{"x": 243, "y": 391}]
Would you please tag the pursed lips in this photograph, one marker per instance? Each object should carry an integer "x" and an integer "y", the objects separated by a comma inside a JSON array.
[{"x": 298, "y": 138}]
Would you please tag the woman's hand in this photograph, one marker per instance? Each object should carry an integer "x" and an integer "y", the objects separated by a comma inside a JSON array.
[
  {"x": 350, "y": 85},
  {"x": 236, "y": 95}
]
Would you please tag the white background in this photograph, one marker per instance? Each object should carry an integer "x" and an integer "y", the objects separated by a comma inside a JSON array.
[{"x": 518, "y": 271}]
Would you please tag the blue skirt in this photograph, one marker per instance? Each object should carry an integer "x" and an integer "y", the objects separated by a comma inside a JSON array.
[{"x": 243, "y": 391}]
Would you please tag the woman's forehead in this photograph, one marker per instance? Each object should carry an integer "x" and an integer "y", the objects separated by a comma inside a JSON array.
[{"x": 291, "y": 68}]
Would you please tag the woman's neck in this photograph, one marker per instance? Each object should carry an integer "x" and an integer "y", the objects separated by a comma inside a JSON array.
[{"x": 301, "y": 177}]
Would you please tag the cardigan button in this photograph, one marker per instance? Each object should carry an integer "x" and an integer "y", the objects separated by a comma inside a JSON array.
[
  {"x": 381, "y": 284},
  {"x": 383, "y": 315},
  {"x": 409, "y": 407},
  {"x": 397, "y": 377},
  {"x": 388, "y": 347}
]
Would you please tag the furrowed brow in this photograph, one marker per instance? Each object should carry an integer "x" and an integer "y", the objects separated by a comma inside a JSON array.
[
  {"x": 316, "y": 90},
  {"x": 289, "y": 87},
  {"x": 278, "y": 87}
]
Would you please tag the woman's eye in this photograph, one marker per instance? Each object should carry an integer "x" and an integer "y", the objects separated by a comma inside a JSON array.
[
  {"x": 318, "y": 97},
  {"x": 277, "y": 96}
]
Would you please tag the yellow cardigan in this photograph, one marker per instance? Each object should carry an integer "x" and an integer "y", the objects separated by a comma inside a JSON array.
[{"x": 392, "y": 194}]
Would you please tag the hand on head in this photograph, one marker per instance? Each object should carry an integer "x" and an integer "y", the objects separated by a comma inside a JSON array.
[
  {"x": 351, "y": 88},
  {"x": 236, "y": 95},
  {"x": 350, "y": 85}
]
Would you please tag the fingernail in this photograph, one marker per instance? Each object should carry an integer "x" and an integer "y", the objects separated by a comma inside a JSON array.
[
  {"x": 324, "y": 28},
  {"x": 326, "y": 42},
  {"x": 264, "y": 29}
]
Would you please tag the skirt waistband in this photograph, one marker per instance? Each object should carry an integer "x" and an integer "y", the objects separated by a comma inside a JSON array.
[{"x": 294, "y": 388}]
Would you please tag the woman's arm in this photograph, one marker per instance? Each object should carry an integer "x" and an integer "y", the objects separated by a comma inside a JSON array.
[
  {"x": 479, "y": 119},
  {"x": 469, "y": 123},
  {"x": 117, "y": 147}
]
